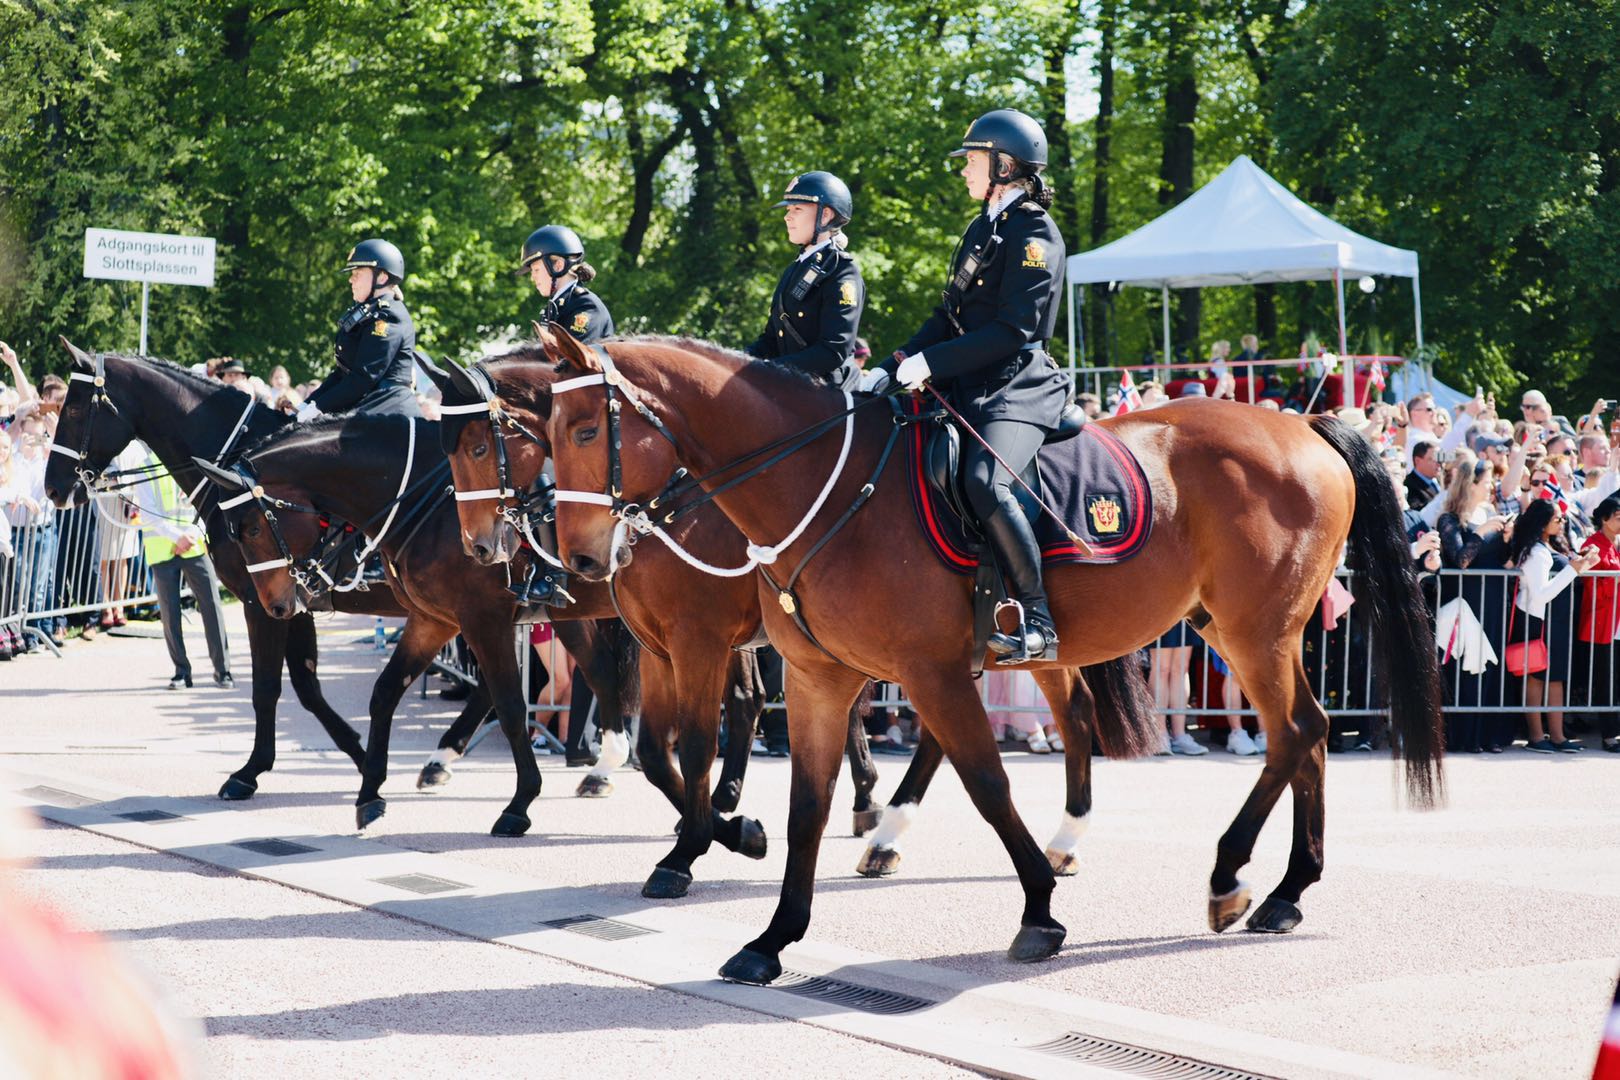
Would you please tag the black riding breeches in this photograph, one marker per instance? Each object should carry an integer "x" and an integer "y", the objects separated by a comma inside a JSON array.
[{"x": 989, "y": 485}]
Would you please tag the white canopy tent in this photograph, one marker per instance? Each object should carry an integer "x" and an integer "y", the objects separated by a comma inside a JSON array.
[{"x": 1241, "y": 228}]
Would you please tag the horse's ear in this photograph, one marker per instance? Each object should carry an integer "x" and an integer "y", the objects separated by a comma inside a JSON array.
[
  {"x": 463, "y": 383},
  {"x": 228, "y": 479},
  {"x": 539, "y": 330},
  {"x": 81, "y": 360},
  {"x": 439, "y": 376},
  {"x": 566, "y": 349}
]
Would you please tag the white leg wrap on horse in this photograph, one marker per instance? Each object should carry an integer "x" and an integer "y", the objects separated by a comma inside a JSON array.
[
  {"x": 892, "y": 825},
  {"x": 1069, "y": 833},
  {"x": 615, "y": 751},
  {"x": 444, "y": 756}
]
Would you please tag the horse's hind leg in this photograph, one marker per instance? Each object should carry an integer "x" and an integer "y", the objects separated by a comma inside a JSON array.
[
  {"x": 302, "y": 654},
  {"x": 882, "y": 855},
  {"x": 861, "y": 769},
  {"x": 745, "y": 697},
  {"x": 1074, "y": 709},
  {"x": 453, "y": 743},
  {"x": 1280, "y": 913},
  {"x": 1271, "y": 673}
]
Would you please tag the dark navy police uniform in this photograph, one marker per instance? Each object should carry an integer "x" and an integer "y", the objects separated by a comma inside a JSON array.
[
  {"x": 582, "y": 313},
  {"x": 815, "y": 317},
  {"x": 376, "y": 342}
]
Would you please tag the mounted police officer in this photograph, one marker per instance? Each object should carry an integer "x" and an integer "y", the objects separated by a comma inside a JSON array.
[
  {"x": 816, "y": 311},
  {"x": 555, "y": 260},
  {"x": 376, "y": 341},
  {"x": 984, "y": 348}
]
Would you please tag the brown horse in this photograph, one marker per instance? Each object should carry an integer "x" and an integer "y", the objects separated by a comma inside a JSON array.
[
  {"x": 653, "y": 596},
  {"x": 1251, "y": 512}
]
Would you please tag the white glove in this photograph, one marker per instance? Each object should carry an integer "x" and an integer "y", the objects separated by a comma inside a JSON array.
[
  {"x": 873, "y": 381},
  {"x": 913, "y": 371},
  {"x": 307, "y": 411}
]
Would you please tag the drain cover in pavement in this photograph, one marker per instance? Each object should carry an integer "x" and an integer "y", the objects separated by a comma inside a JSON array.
[
  {"x": 151, "y": 815},
  {"x": 598, "y": 927},
  {"x": 275, "y": 848},
  {"x": 423, "y": 884},
  {"x": 849, "y": 995},
  {"x": 1136, "y": 1060},
  {"x": 58, "y": 797}
]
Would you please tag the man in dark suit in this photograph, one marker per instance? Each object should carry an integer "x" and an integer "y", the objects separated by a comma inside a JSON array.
[{"x": 1423, "y": 482}]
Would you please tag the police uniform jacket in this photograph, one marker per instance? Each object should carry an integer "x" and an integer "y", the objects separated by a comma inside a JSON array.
[
  {"x": 582, "y": 313},
  {"x": 376, "y": 343},
  {"x": 986, "y": 343},
  {"x": 816, "y": 331}
]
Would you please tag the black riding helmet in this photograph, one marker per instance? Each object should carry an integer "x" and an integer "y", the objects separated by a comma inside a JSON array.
[
  {"x": 379, "y": 255},
  {"x": 822, "y": 189},
  {"x": 1007, "y": 133},
  {"x": 549, "y": 240}
]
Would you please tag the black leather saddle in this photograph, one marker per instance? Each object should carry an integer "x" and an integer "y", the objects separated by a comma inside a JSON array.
[{"x": 942, "y": 465}]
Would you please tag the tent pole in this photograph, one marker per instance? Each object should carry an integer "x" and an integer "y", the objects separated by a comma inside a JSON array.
[
  {"x": 1069, "y": 296},
  {"x": 1164, "y": 307},
  {"x": 1077, "y": 321},
  {"x": 1347, "y": 371},
  {"x": 1417, "y": 325}
]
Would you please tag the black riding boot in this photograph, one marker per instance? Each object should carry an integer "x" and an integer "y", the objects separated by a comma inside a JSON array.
[{"x": 1010, "y": 534}]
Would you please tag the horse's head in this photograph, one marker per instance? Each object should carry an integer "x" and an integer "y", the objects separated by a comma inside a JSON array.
[
  {"x": 90, "y": 431},
  {"x": 494, "y": 456},
  {"x": 610, "y": 458},
  {"x": 272, "y": 537}
]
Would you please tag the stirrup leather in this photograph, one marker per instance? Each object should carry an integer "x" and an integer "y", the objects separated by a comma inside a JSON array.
[{"x": 1035, "y": 638}]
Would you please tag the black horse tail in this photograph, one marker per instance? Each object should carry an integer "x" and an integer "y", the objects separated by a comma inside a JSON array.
[
  {"x": 1403, "y": 651},
  {"x": 1127, "y": 727}
]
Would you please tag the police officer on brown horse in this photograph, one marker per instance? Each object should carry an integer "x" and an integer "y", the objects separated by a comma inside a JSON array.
[
  {"x": 376, "y": 341},
  {"x": 554, "y": 256},
  {"x": 984, "y": 349},
  {"x": 816, "y": 310}
]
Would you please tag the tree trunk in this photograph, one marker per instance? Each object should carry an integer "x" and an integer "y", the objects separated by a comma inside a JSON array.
[
  {"x": 1107, "y": 23},
  {"x": 1060, "y": 155},
  {"x": 1176, "y": 157},
  {"x": 646, "y": 165}
]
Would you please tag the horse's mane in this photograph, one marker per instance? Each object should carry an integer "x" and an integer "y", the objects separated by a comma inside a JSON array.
[
  {"x": 320, "y": 425},
  {"x": 734, "y": 357},
  {"x": 184, "y": 374}
]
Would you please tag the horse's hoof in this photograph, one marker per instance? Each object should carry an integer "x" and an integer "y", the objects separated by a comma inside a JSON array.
[
  {"x": 1036, "y": 943},
  {"x": 726, "y": 797},
  {"x": 433, "y": 775},
  {"x": 666, "y": 884},
  {"x": 235, "y": 789},
  {"x": 594, "y": 787},
  {"x": 867, "y": 820},
  {"x": 510, "y": 824},
  {"x": 1275, "y": 916},
  {"x": 1228, "y": 909},
  {"x": 751, "y": 838},
  {"x": 755, "y": 969},
  {"x": 878, "y": 862},
  {"x": 1064, "y": 863},
  {"x": 367, "y": 813}
]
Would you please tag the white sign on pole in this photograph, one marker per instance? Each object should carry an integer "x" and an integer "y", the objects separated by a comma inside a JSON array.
[{"x": 149, "y": 257}]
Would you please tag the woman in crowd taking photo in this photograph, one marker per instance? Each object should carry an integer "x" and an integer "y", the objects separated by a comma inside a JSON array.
[
  {"x": 1542, "y": 620},
  {"x": 1598, "y": 621}
]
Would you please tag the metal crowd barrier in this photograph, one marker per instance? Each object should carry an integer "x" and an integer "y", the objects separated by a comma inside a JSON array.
[{"x": 72, "y": 562}]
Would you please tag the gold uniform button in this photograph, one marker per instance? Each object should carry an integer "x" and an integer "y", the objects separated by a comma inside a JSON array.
[
  {"x": 801, "y": 314},
  {"x": 979, "y": 282},
  {"x": 779, "y": 333}
]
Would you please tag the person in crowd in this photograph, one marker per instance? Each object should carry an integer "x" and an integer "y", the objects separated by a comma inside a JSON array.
[
  {"x": 1015, "y": 705},
  {"x": 1238, "y": 739},
  {"x": 17, "y": 508},
  {"x": 1090, "y": 403},
  {"x": 1536, "y": 417},
  {"x": 39, "y": 590},
  {"x": 1251, "y": 349},
  {"x": 376, "y": 341},
  {"x": 280, "y": 382},
  {"x": 1541, "y": 553},
  {"x": 554, "y": 258},
  {"x": 1598, "y": 624},
  {"x": 1423, "y": 482},
  {"x": 862, "y": 353},
  {"x": 1169, "y": 661},
  {"x": 232, "y": 372},
  {"x": 117, "y": 542},
  {"x": 816, "y": 308},
  {"x": 23, "y": 397},
  {"x": 1152, "y": 393},
  {"x": 175, "y": 548},
  {"x": 985, "y": 346},
  {"x": 1419, "y": 422}
]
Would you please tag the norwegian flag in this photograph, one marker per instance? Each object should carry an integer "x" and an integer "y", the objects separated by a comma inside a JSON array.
[
  {"x": 1553, "y": 492},
  {"x": 1608, "y": 1060},
  {"x": 1375, "y": 376},
  {"x": 1130, "y": 399}
]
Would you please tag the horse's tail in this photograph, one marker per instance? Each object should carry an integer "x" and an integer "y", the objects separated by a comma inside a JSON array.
[
  {"x": 1127, "y": 727},
  {"x": 1403, "y": 650}
]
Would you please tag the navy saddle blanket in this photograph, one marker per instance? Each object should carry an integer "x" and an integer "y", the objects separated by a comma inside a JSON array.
[{"x": 1091, "y": 479}]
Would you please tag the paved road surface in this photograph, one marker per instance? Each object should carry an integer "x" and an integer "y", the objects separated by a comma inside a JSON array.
[{"x": 1481, "y": 940}]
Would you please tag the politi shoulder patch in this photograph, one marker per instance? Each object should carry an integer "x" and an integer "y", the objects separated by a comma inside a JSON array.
[
  {"x": 379, "y": 329},
  {"x": 1034, "y": 255},
  {"x": 581, "y": 322},
  {"x": 846, "y": 294}
]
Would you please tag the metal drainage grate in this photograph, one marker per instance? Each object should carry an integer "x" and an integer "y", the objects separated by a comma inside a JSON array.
[
  {"x": 422, "y": 884},
  {"x": 850, "y": 995},
  {"x": 275, "y": 848},
  {"x": 151, "y": 815},
  {"x": 58, "y": 797},
  {"x": 1136, "y": 1060},
  {"x": 596, "y": 926}
]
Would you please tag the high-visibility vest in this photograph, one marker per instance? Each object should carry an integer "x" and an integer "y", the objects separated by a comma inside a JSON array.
[{"x": 171, "y": 504}]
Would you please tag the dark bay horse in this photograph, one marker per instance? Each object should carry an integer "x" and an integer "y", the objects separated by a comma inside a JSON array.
[
  {"x": 500, "y": 446},
  {"x": 350, "y": 467},
  {"x": 182, "y": 416},
  {"x": 1251, "y": 513}
]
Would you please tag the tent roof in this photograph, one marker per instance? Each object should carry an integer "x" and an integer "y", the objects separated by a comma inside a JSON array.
[{"x": 1241, "y": 228}]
